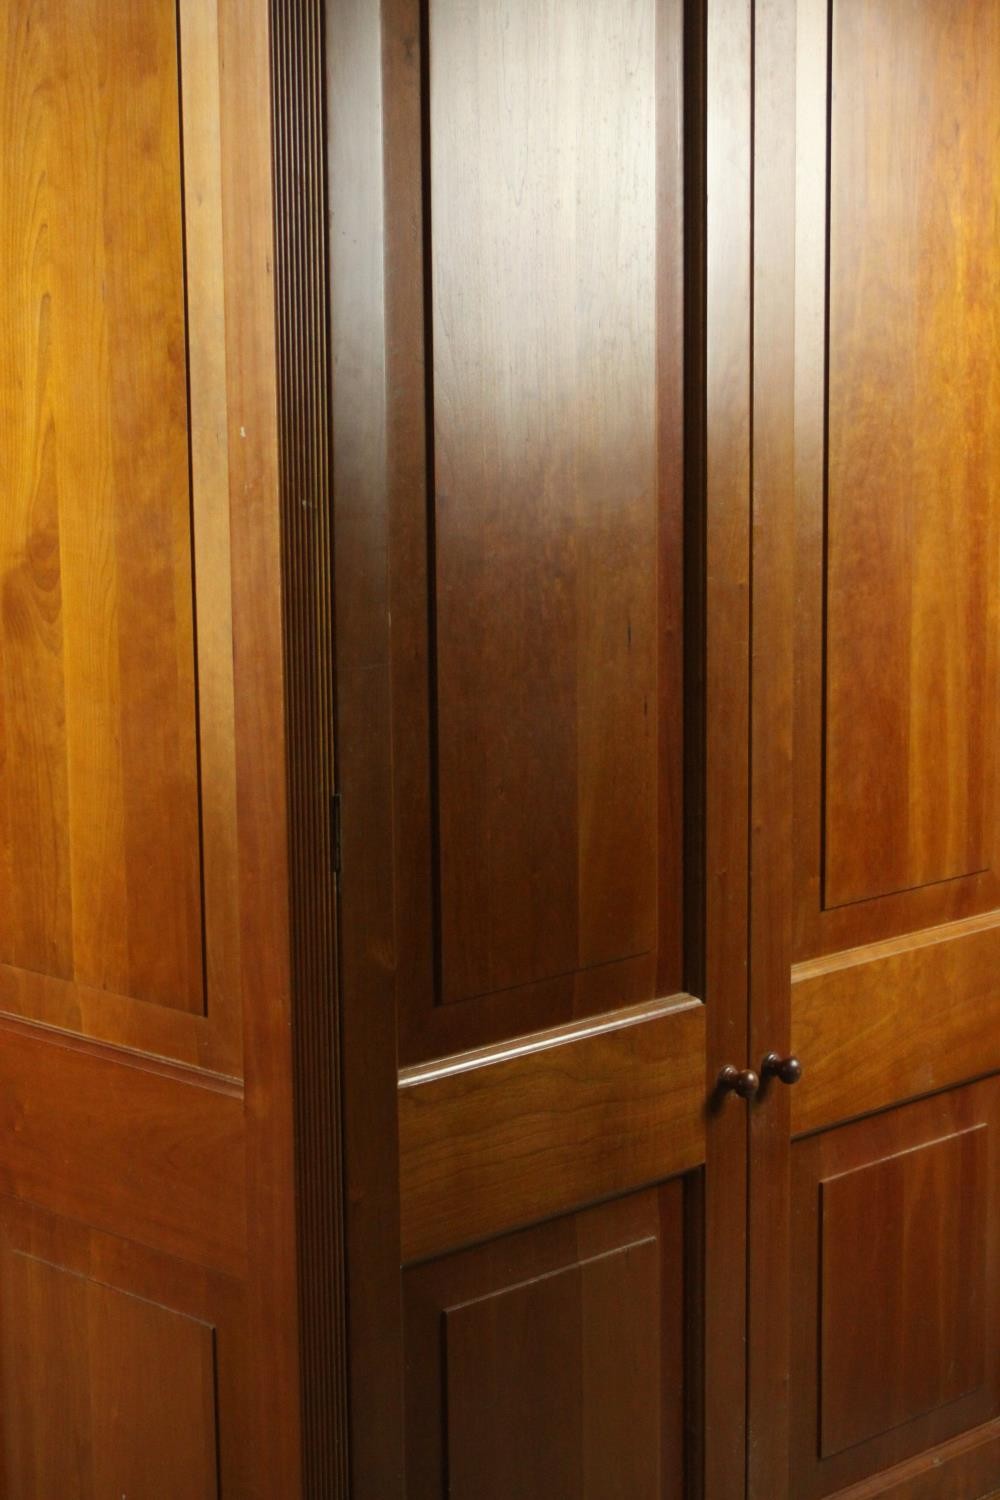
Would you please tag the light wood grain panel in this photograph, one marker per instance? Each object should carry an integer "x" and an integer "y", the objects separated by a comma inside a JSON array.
[
  {"x": 131, "y": 1389},
  {"x": 502, "y": 1137},
  {"x": 263, "y": 729},
  {"x": 139, "y": 1025},
  {"x": 895, "y": 1020},
  {"x": 208, "y": 370},
  {"x": 138, "y": 1148},
  {"x": 919, "y": 1343},
  {"x": 133, "y": 1385},
  {"x": 893, "y": 1377},
  {"x": 100, "y": 769},
  {"x": 914, "y": 445},
  {"x": 138, "y": 160},
  {"x": 896, "y": 1311}
]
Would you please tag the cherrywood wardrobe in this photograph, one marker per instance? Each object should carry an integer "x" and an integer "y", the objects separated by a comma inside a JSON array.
[{"x": 499, "y": 677}]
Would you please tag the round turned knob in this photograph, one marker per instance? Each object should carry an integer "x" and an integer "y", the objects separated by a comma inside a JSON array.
[
  {"x": 786, "y": 1069},
  {"x": 742, "y": 1081}
]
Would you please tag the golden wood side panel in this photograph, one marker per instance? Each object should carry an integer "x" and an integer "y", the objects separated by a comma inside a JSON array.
[
  {"x": 133, "y": 1384},
  {"x": 99, "y": 816},
  {"x": 115, "y": 675},
  {"x": 146, "y": 1151},
  {"x": 914, "y": 446},
  {"x": 120, "y": 1367},
  {"x": 539, "y": 1130},
  {"x": 206, "y": 132}
]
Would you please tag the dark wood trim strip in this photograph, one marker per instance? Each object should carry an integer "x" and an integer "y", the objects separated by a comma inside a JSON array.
[
  {"x": 771, "y": 894},
  {"x": 261, "y": 780},
  {"x": 367, "y": 279},
  {"x": 71, "y": 1121},
  {"x": 304, "y": 416},
  {"x": 728, "y": 122}
]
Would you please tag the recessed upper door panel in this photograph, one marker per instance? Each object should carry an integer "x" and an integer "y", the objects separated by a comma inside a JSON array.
[
  {"x": 914, "y": 439},
  {"x": 543, "y": 214},
  {"x": 116, "y": 757},
  {"x": 535, "y": 554},
  {"x": 900, "y": 386}
]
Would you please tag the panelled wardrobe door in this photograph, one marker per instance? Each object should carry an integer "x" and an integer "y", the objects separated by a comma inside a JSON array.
[
  {"x": 143, "y": 983},
  {"x": 893, "y": 1364},
  {"x": 541, "y": 630}
]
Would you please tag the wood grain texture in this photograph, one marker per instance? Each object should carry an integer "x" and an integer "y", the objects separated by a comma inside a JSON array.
[
  {"x": 138, "y": 1393},
  {"x": 810, "y": 252},
  {"x": 139, "y": 143},
  {"x": 510, "y": 1136},
  {"x": 895, "y": 1306},
  {"x": 721, "y": 44},
  {"x": 363, "y": 277},
  {"x": 903, "y": 1302},
  {"x": 543, "y": 280},
  {"x": 134, "y": 1385},
  {"x": 894, "y": 1386},
  {"x": 895, "y": 1020},
  {"x": 772, "y": 696},
  {"x": 550, "y": 1364},
  {"x": 518, "y": 1134},
  {"x": 937, "y": 287},
  {"x": 148, "y": 1151},
  {"x": 523, "y": 1419},
  {"x": 211, "y": 498},
  {"x": 99, "y": 813},
  {"x": 968, "y": 1465},
  {"x": 914, "y": 446},
  {"x": 171, "y": 845},
  {"x": 274, "y": 1431},
  {"x": 383, "y": 81},
  {"x": 538, "y": 690}
]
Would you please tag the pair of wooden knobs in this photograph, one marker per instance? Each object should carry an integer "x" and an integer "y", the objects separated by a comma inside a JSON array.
[{"x": 746, "y": 1083}]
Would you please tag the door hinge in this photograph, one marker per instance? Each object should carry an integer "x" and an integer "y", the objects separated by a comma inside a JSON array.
[{"x": 335, "y": 833}]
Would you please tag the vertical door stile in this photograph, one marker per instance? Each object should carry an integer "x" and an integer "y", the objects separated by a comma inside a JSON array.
[
  {"x": 728, "y": 247},
  {"x": 360, "y": 275},
  {"x": 771, "y": 740}
]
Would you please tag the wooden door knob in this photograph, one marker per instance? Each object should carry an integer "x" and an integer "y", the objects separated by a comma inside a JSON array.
[
  {"x": 786, "y": 1069},
  {"x": 742, "y": 1081}
]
